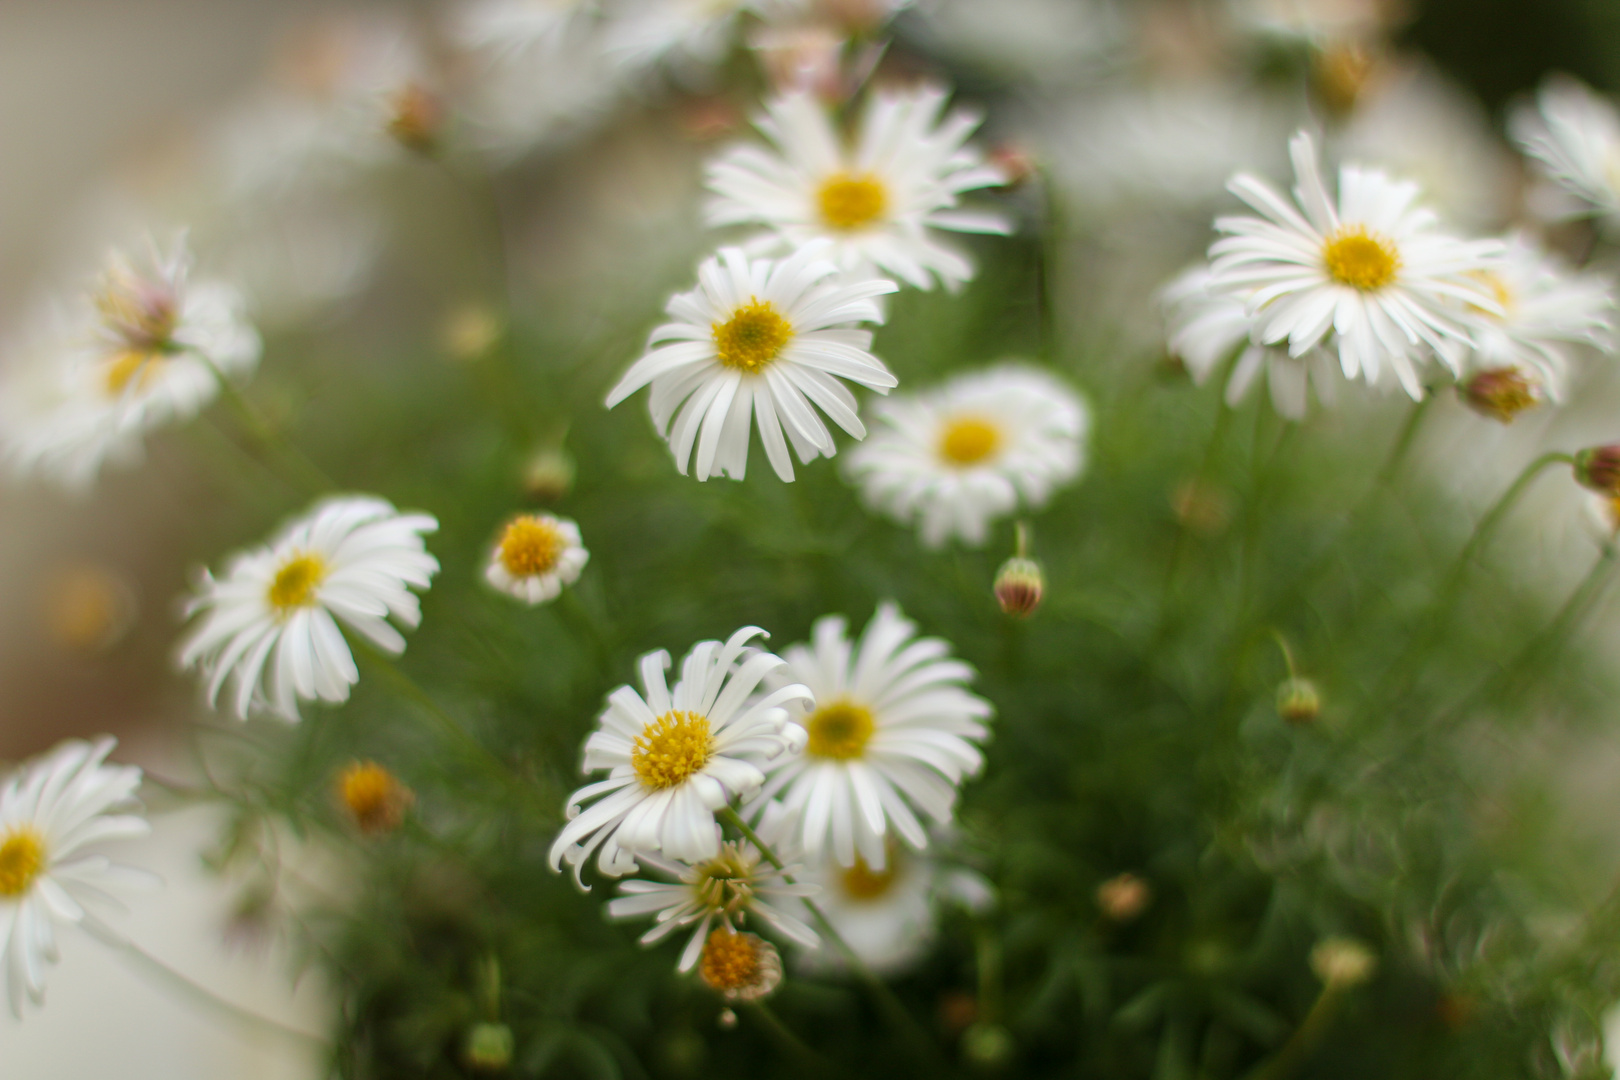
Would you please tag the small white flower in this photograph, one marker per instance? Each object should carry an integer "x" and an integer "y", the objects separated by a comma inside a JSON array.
[
  {"x": 146, "y": 347},
  {"x": 763, "y": 339},
  {"x": 725, "y": 891},
  {"x": 879, "y": 200},
  {"x": 1574, "y": 135},
  {"x": 536, "y": 556},
  {"x": 1371, "y": 276},
  {"x": 505, "y": 28},
  {"x": 894, "y": 731},
  {"x": 675, "y": 757},
  {"x": 50, "y": 811},
  {"x": 1315, "y": 22},
  {"x": 269, "y": 624},
  {"x": 955, "y": 458},
  {"x": 687, "y": 34}
]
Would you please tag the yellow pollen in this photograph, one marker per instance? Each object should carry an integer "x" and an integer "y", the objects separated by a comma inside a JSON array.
[
  {"x": 22, "y": 857},
  {"x": 531, "y": 545},
  {"x": 295, "y": 583},
  {"x": 672, "y": 748},
  {"x": 130, "y": 365},
  {"x": 754, "y": 336},
  {"x": 1361, "y": 260},
  {"x": 968, "y": 440},
  {"x": 851, "y": 202},
  {"x": 861, "y": 882},
  {"x": 840, "y": 730},
  {"x": 730, "y": 960}
]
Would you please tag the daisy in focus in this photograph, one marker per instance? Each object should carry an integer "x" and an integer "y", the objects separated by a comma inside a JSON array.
[
  {"x": 146, "y": 348},
  {"x": 51, "y": 810},
  {"x": 535, "y": 557},
  {"x": 955, "y": 458},
  {"x": 721, "y": 892},
  {"x": 674, "y": 757},
  {"x": 1370, "y": 278},
  {"x": 881, "y": 200},
  {"x": 760, "y": 340},
  {"x": 894, "y": 731},
  {"x": 269, "y": 624},
  {"x": 1574, "y": 136}
]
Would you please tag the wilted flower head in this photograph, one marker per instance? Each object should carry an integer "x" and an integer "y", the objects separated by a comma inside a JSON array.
[
  {"x": 740, "y": 966},
  {"x": 373, "y": 796},
  {"x": 1501, "y": 393}
]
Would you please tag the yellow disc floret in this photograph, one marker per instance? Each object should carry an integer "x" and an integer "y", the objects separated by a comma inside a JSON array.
[
  {"x": 129, "y": 366},
  {"x": 530, "y": 546},
  {"x": 1360, "y": 259},
  {"x": 968, "y": 440},
  {"x": 839, "y": 730},
  {"x": 861, "y": 882},
  {"x": 672, "y": 748},
  {"x": 730, "y": 960},
  {"x": 755, "y": 335},
  {"x": 850, "y": 202},
  {"x": 295, "y": 583},
  {"x": 22, "y": 857},
  {"x": 373, "y": 796}
]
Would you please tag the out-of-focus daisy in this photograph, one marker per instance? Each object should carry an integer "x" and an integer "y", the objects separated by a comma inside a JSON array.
[
  {"x": 880, "y": 200},
  {"x": 1022, "y": 40},
  {"x": 269, "y": 624},
  {"x": 504, "y": 28},
  {"x": 957, "y": 457},
  {"x": 536, "y": 556},
  {"x": 675, "y": 757},
  {"x": 894, "y": 732},
  {"x": 147, "y": 348},
  {"x": 50, "y": 811},
  {"x": 1207, "y": 327},
  {"x": 1371, "y": 278},
  {"x": 1574, "y": 135},
  {"x": 1316, "y": 22},
  {"x": 763, "y": 340},
  {"x": 686, "y": 34},
  {"x": 724, "y": 891}
]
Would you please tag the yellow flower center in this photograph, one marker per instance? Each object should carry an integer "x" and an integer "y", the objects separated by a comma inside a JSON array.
[
  {"x": 295, "y": 583},
  {"x": 530, "y": 546},
  {"x": 130, "y": 365},
  {"x": 1360, "y": 259},
  {"x": 968, "y": 440},
  {"x": 143, "y": 313},
  {"x": 730, "y": 960},
  {"x": 376, "y": 799},
  {"x": 22, "y": 857},
  {"x": 840, "y": 730},
  {"x": 851, "y": 202},
  {"x": 861, "y": 882},
  {"x": 755, "y": 335},
  {"x": 672, "y": 748}
]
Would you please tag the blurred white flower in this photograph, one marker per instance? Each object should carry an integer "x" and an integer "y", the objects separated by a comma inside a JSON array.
[
  {"x": 878, "y": 201},
  {"x": 894, "y": 731},
  {"x": 1315, "y": 22},
  {"x": 722, "y": 891},
  {"x": 50, "y": 811},
  {"x": 687, "y": 35},
  {"x": 760, "y": 339},
  {"x": 269, "y": 624},
  {"x": 1371, "y": 278},
  {"x": 955, "y": 458},
  {"x": 1043, "y": 40},
  {"x": 1574, "y": 135},
  {"x": 146, "y": 347},
  {"x": 506, "y": 27},
  {"x": 536, "y": 556},
  {"x": 675, "y": 757}
]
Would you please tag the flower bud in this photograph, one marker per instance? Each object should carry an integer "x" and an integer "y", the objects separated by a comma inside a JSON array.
[
  {"x": 469, "y": 332},
  {"x": 374, "y": 797},
  {"x": 1342, "y": 962},
  {"x": 1298, "y": 701},
  {"x": 1124, "y": 897},
  {"x": 1341, "y": 74},
  {"x": 1016, "y": 163},
  {"x": 1598, "y": 467},
  {"x": 1501, "y": 393},
  {"x": 416, "y": 119},
  {"x": 548, "y": 475},
  {"x": 1019, "y": 587},
  {"x": 489, "y": 1048},
  {"x": 987, "y": 1044}
]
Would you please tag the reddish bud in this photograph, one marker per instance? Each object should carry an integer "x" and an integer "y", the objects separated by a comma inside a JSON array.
[
  {"x": 1019, "y": 587},
  {"x": 1598, "y": 467},
  {"x": 1501, "y": 393}
]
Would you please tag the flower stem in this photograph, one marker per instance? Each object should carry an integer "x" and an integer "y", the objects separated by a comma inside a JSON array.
[
  {"x": 1403, "y": 443},
  {"x": 1304, "y": 1039},
  {"x": 281, "y": 455},
  {"x": 783, "y": 1034}
]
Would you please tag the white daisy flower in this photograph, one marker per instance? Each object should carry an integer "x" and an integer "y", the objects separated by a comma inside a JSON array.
[
  {"x": 146, "y": 347},
  {"x": 1372, "y": 272},
  {"x": 722, "y": 891},
  {"x": 685, "y": 33},
  {"x": 1208, "y": 327},
  {"x": 1574, "y": 135},
  {"x": 269, "y": 624},
  {"x": 766, "y": 338},
  {"x": 894, "y": 731},
  {"x": 675, "y": 757},
  {"x": 50, "y": 811},
  {"x": 536, "y": 556},
  {"x": 1315, "y": 22},
  {"x": 957, "y": 457},
  {"x": 880, "y": 200},
  {"x": 505, "y": 28}
]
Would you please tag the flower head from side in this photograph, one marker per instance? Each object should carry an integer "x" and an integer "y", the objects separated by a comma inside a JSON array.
[
  {"x": 145, "y": 347},
  {"x": 51, "y": 811},
  {"x": 535, "y": 557},
  {"x": 722, "y": 892},
  {"x": 880, "y": 201},
  {"x": 1369, "y": 277},
  {"x": 760, "y": 340},
  {"x": 1574, "y": 136},
  {"x": 955, "y": 458},
  {"x": 269, "y": 624},
  {"x": 893, "y": 733},
  {"x": 674, "y": 757}
]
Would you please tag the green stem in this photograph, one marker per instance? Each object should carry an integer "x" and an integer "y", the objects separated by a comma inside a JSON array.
[
  {"x": 1403, "y": 443},
  {"x": 1049, "y": 266},
  {"x": 1178, "y": 552},
  {"x": 301, "y": 473},
  {"x": 784, "y": 1034},
  {"x": 1304, "y": 1039}
]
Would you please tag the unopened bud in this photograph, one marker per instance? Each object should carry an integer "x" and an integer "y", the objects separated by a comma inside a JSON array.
[
  {"x": 1124, "y": 897},
  {"x": 489, "y": 1048},
  {"x": 1501, "y": 393},
  {"x": 88, "y": 608},
  {"x": 1598, "y": 467},
  {"x": 1343, "y": 962},
  {"x": 374, "y": 797},
  {"x": 987, "y": 1044},
  {"x": 417, "y": 118},
  {"x": 549, "y": 475},
  {"x": 1342, "y": 73},
  {"x": 1201, "y": 507},
  {"x": 1298, "y": 701},
  {"x": 470, "y": 331},
  {"x": 1019, "y": 587},
  {"x": 1015, "y": 162}
]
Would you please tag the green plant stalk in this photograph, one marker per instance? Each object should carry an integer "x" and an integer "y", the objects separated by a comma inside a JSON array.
[
  {"x": 298, "y": 471},
  {"x": 1304, "y": 1039},
  {"x": 784, "y": 1034}
]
